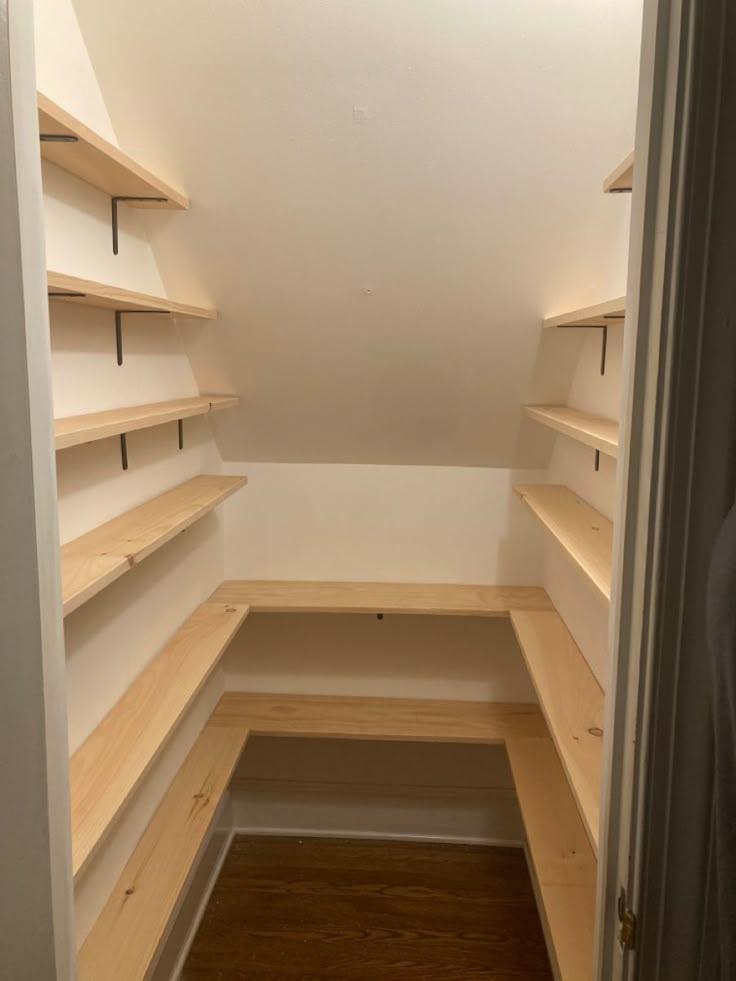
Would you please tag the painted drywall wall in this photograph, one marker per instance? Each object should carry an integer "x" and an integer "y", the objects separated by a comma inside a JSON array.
[{"x": 386, "y": 199}]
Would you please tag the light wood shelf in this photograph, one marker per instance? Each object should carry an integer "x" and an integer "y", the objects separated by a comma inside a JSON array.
[
  {"x": 595, "y": 431},
  {"x": 127, "y": 934},
  {"x": 99, "y": 557},
  {"x": 621, "y": 179},
  {"x": 371, "y": 597},
  {"x": 99, "y": 163},
  {"x": 74, "y": 430},
  {"x": 115, "y": 298},
  {"x": 584, "y": 533},
  {"x": 564, "y": 865},
  {"x": 606, "y": 314},
  {"x": 109, "y": 765},
  {"x": 572, "y": 702}
]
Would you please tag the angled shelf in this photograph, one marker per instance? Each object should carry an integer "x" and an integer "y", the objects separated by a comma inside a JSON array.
[
  {"x": 564, "y": 865},
  {"x": 584, "y": 533},
  {"x": 109, "y": 765},
  {"x": 572, "y": 702},
  {"x": 72, "y": 289},
  {"x": 595, "y": 431},
  {"x": 128, "y": 932},
  {"x": 99, "y": 557},
  {"x": 606, "y": 314},
  {"x": 75, "y": 430},
  {"x": 371, "y": 597},
  {"x": 621, "y": 179},
  {"x": 74, "y": 147}
]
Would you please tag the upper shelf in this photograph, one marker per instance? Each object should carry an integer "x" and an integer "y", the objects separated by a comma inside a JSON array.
[
  {"x": 263, "y": 596},
  {"x": 595, "y": 431},
  {"x": 93, "y": 159},
  {"x": 74, "y": 430},
  {"x": 620, "y": 180},
  {"x": 72, "y": 289},
  {"x": 584, "y": 533},
  {"x": 605, "y": 314}
]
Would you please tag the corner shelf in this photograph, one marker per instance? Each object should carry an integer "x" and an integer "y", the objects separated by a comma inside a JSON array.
[
  {"x": 595, "y": 431},
  {"x": 572, "y": 702},
  {"x": 606, "y": 314},
  {"x": 99, "y": 557},
  {"x": 371, "y": 597},
  {"x": 109, "y": 765},
  {"x": 82, "y": 152},
  {"x": 584, "y": 533},
  {"x": 621, "y": 179},
  {"x": 72, "y": 289},
  {"x": 75, "y": 430}
]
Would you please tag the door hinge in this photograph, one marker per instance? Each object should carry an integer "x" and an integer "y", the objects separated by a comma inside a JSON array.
[{"x": 627, "y": 919}]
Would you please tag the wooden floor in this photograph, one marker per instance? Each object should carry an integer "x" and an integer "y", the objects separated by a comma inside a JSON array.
[{"x": 314, "y": 908}]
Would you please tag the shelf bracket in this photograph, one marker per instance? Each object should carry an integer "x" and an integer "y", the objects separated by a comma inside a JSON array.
[
  {"x": 119, "y": 328},
  {"x": 180, "y": 424},
  {"x": 597, "y": 460},
  {"x": 124, "y": 450},
  {"x": 125, "y": 197},
  {"x": 57, "y": 138},
  {"x": 65, "y": 295}
]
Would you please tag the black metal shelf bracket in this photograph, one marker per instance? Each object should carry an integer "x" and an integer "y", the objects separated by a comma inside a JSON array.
[
  {"x": 57, "y": 138},
  {"x": 125, "y": 197},
  {"x": 597, "y": 460},
  {"x": 180, "y": 424},
  {"x": 65, "y": 295},
  {"x": 124, "y": 450},
  {"x": 604, "y": 336},
  {"x": 119, "y": 328}
]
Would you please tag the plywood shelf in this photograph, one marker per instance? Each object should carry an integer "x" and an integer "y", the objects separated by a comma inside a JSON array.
[
  {"x": 107, "y": 768},
  {"x": 595, "y": 431},
  {"x": 584, "y": 533},
  {"x": 128, "y": 932},
  {"x": 572, "y": 702},
  {"x": 621, "y": 179},
  {"x": 369, "y": 597},
  {"x": 98, "y": 162},
  {"x": 74, "y": 430},
  {"x": 564, "y": 865},
  {"x": 99, "y": 557},
  {"x": 72, "y": 289},
  {"x": 606, "y": 314}
]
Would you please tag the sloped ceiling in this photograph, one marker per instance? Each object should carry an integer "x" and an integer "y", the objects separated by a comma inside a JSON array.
[{"x": 387, "y": 195}]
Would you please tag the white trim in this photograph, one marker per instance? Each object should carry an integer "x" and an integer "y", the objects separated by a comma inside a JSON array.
[{"x": 362, "y": 835}]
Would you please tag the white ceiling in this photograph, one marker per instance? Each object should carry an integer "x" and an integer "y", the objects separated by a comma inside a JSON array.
[{"x": 387, "y": 195}]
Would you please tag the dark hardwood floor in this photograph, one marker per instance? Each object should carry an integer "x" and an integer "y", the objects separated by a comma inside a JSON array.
[{"x": 314, "y": 908}]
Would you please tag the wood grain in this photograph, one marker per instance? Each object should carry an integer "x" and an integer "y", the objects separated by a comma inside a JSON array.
[
  {"x": 126, "y": 936},
  {"x": 117, "y": 298},
  {"x": 94, "y": 560},
  {"x": 621, "y": 178},
  {"x": 109, "y": 765},
  {"x": 343, "y": 717},
  {"x": 74, "y": 430},
  {"x": 584, "y": 533},
  {"x": 595, "y": 431},
  {"x": 563, "y": 861},
  {"x": 99, "y": 162},
  {"x": 315, "y": 908},
  {"x": 572, "y": 702},
  {"x": 606, "y": 314},
  {"x": 371, "y": 597}
]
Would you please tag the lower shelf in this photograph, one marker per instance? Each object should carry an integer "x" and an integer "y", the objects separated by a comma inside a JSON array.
[{"x": 125, "y": 940}]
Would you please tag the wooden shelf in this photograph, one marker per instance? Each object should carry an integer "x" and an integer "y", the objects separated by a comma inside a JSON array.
[
  {"x": 621, "y": 179},
  {"x": 606, "y": 314},
  {"x": 112, "y": 761},
  {"x": 584, "y": 533},
  {"x": 396, "y": 719},
  {"x": 116, "y": 298},
  {"x": 96, "y": 559},
  {"x": 100, "y": 163},
  {"x": 595, "y": 431},
  {"x": 564, "y": 866},
  {"x": 74, "y": 430},
  {"x": 573, "y": 705},
  {"x": 371, "y": 597},
  {"x": 128, "y": 932}
]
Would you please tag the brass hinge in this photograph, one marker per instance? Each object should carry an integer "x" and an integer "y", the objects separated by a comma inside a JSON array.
[{"x": 627, "y": 919}]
